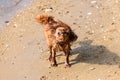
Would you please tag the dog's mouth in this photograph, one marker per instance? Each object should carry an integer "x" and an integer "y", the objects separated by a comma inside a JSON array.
[{"x": 61, "y": 39}]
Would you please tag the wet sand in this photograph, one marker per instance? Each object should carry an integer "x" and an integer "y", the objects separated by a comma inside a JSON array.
[
  {"x": 9, "y": 8},
  {"x": 95, "y": 55}
]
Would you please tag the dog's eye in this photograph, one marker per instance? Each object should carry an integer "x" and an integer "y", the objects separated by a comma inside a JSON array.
[
  {"x": 59, "y": 34},
  {"x": 65, "y": 33}
]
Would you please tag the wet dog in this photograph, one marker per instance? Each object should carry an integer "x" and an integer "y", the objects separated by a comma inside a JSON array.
[{"x": 59, "y": 37}]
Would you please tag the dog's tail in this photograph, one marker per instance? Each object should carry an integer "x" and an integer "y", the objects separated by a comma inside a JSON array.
[
  {"x": 73, "y": 37},
  {"x": 44, "y": 18}
]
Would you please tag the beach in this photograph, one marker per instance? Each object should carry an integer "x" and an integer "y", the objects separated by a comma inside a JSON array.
[
  {"x": 9, "y": 8},
  {"x": 94, "y": 56}
]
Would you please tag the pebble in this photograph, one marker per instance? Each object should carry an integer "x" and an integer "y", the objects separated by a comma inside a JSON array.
[
  {"x": 13, "y": 63},
  {"x": 38, "y": 43},
  {"x": 49, "y": 72},
  {"x": 43, "y": 78},
  {"x": 85, "y": 38},
  {"x": 112, "y": 23},
  {"x": 93, "y": 68},
  {"x": 25, "y": 76},
  {"x": 93, "y": 2},
  {"x": 49, "y": 10},
  {"x": 101, "y": 26},
  {"x": 21, "y": 36},
  {"x": 97, "y": 7},
  {"x": 18, "y": 15},
  {"x": 64, "y": 78},
  {"x": 41, "y": 51},
  {"x": 6, "y": 21},
  {"x": 49, "y": 67},
  {"x": 105, "y": 37},
  {"x": 99, "y": 79},
  {"x": 80, "y": 16},
  {"x": 115, "y": 72},
  {"x": 90, "y": 32},
  {"x": 77, "y": 76},
  {"x": 6, "y": 45},
  {"x": 15, "y": 25},
  {"x": 79, "y": 26},
  {"x": 89, "y": 13},
  {"x": 117, "y": 1},
  {"x": 74, "y": 23},
  {"x": 110, "y": 38},
  {"x": 2, "y": 43},
  {"x": 67, "y": 11},
  {"x": 15, "y": 57},
  {"x": 59, "y": 12}
]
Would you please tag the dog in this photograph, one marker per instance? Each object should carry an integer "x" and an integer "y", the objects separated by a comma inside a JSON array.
[{"x": 59, "y": 37}]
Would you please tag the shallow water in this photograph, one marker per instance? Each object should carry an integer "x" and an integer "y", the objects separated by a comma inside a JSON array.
[{"x": 8, "y": 9}]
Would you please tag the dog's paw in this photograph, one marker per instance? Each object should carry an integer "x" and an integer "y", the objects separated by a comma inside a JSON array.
[
  {"x": 67, "y": 65},
  {"x": 54, "y": 65},
  {"x": 50, "y": 58}
]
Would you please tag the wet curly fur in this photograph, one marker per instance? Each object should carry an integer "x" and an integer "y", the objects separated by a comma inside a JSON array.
[{"x": 59, "y": 37}]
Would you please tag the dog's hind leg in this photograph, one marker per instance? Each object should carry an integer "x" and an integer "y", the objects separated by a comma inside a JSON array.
[{"x": 50, "y": 56}]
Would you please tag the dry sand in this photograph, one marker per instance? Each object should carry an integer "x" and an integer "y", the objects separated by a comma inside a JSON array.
[{"x": 95, "y": 55}]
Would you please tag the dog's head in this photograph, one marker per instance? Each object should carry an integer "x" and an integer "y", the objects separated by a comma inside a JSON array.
[
  {"x": 62, "y": 34},
  {"x": 44, "y": 18}
]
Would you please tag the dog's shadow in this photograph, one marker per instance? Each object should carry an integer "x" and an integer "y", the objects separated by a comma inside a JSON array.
[{"x": 94, "y": 54}]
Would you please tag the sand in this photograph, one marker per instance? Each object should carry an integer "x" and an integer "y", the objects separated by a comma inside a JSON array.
[{"x": 94, "y": 56}]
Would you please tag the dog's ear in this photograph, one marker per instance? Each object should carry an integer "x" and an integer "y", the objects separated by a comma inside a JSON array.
[{"x": 73, "y": 37}]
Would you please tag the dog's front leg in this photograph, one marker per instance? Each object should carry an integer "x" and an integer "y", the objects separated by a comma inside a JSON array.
[
  {"x": 53, "y": 60},
  {"x": 67, "y": 64}
]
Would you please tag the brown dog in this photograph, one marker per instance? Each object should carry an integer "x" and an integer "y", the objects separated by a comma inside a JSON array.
[{"x": 59, "y": 37}]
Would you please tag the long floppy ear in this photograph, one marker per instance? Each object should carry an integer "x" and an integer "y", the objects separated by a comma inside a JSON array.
[{"x": 73, "y": 37}]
